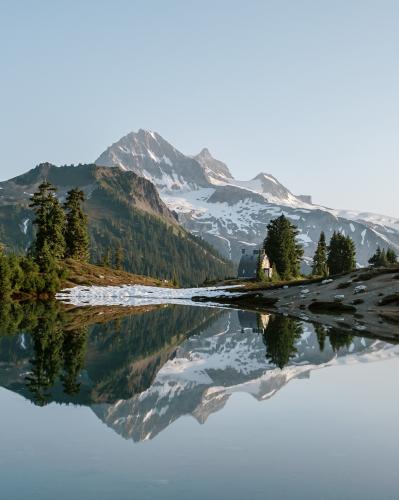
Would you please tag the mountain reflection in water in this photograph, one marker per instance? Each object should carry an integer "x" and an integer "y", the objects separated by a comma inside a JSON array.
[{"x": 141, "y": 369}]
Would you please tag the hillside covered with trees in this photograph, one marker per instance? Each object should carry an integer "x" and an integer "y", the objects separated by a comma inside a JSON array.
[{"x": 129, "y": 227}]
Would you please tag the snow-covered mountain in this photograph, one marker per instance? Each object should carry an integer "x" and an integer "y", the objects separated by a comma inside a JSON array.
[
  {"x": 227, "y": 357},
  {"x": 233, "y": 214},
  {"x": 149, "y": 155}
]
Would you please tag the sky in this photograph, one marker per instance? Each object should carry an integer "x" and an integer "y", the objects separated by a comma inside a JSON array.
[{"x": 305, "y": 90}]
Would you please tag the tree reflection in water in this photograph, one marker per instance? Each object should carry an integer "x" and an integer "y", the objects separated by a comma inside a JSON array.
[
  {"x": 58, "y": 354},
  {"x": 121, "y": 349},
  {"x": 123, "y": 352},
  {"x": 280, "y": 334},
  {"x": 279, "y": 338}
]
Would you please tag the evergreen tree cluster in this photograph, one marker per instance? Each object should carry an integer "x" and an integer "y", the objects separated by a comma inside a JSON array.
[
  {"x": 22, "y": 274},
  {"x": 339, "y": 257},
  {"x": 341, "y": 254},
  {"x": 383, "y": 258},
  {"x": 282, "y": 248},
  {"x": 61, "y": 231},
  {"x": 58, "y": 342}
]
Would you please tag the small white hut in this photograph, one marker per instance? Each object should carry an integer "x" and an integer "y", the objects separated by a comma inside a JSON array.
[{"x": 248, "y": 265}]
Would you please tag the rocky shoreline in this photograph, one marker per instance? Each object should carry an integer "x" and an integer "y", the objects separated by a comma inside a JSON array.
[{"x": 365, "y": 301}]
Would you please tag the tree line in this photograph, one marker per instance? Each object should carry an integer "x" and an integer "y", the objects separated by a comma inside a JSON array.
[
  {"x": 340, "y": 256},
  {"x": 285, "y": 253},
  {"x": 61, "y": 232}
]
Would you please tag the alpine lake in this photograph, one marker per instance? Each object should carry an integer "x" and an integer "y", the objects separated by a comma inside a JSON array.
[{"x": 172, "y": 401}]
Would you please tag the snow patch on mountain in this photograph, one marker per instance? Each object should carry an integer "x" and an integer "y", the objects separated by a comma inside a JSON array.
[{"x": 380, "y": 220}]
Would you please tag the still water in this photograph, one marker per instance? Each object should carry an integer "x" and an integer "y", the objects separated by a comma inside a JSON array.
[{"x": 178, "y": 402}]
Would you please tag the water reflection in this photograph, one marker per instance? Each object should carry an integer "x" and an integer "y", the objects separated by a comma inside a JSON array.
[{"x": 141, "y": 369}]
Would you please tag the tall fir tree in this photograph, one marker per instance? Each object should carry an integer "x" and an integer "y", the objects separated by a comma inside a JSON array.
[
  {"x": 392, "y": 258},
  {"x": 49, "y": 268},
  {"x": 341, "y": 254},
  {"x": 282, "y": 248},
  {"x": 49, "y": 222},
  {"x": 76, "y": 233},
  {"x": 320, "y": 267}
]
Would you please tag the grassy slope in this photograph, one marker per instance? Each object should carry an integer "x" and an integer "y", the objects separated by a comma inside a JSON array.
[{"x": 80, "y": 273}]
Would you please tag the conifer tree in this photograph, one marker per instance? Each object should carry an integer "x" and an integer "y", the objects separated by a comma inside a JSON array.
[
  {"x": 16, "y": 272},
  {"x": 5, "y": 276},
  {"x": 392, "y": 258},
  {"x": 49, "y": 268},
  {"x": 76, "y": 233},
  {"x": 380, "y": 258},
  {"x": 320, "y": 257},
  {"x": 32, "y": 280},
  {"x": 349, "y": 255},
  {"x": 281, "y": 247},
  {"x": 275, "y": 275},
  {"x": 49, "y": 221},
  {"x": 341, "y": 254}
]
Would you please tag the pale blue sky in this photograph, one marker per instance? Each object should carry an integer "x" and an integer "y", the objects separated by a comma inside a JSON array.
[{"x": 305, "y": 90}]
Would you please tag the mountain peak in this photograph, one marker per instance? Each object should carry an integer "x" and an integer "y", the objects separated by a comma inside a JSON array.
[
  {"x": 266, "y": 176},
  {"x": 146, "y": 133},
  {"x": 205, "y": 153},
  {"x": 214, "y": 169},
  {"x": 148, "y": 154}
]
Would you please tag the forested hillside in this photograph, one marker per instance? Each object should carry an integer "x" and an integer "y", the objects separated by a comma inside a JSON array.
[{"x": 130, "y": 227}]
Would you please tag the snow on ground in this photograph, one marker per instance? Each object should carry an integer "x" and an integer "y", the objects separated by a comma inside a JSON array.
[{"x": 137, "y": 295}]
